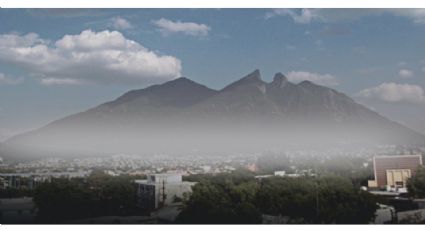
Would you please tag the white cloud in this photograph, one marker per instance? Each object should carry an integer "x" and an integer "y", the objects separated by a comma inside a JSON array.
[
  {"x": 405, "y": 73},
  {"x": 120, "y": 23},
  {"x": 417, "y": 15},
  {"x": 15, "y": 40},
  {"x": 321, "y": 79},
  {"x": 338, "y": 15},
  {"x": 60, "y": 81},
  {"x": 393, "y": 92},
  {"x": 167, "y": 27},
  {"x": 9, "y": 80},
  {"x": 97, "y": 57},
  {"x": 305, "y": 15}
]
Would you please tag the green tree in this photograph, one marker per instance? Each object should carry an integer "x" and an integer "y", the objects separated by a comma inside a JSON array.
[
  {"x": 62, "y": 199},
  {"x": 98, "y": 195},
  {"x": 416, "y": 184},
  {"x": 323, "y": 200},
  {"x": 219, "y": 200}
]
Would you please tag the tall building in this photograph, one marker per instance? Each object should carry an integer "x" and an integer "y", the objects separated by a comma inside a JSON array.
[
  {"x": 393, "y": 171},
  {"x": 161, "y": 190}
]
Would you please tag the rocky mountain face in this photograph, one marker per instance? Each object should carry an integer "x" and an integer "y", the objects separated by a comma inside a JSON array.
[{"x": 182, "y": 115}]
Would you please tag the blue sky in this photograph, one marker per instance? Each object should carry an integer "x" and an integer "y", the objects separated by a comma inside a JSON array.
[{"x": 57, "y": 62}]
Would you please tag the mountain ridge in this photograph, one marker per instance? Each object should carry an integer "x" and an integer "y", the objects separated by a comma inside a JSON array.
[{"x": 181, "y": 112}]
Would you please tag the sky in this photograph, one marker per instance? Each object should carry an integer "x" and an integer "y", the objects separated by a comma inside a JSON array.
[{"x": 56, "y": 62}]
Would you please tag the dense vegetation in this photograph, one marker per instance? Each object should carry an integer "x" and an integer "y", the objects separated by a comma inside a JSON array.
[
  {"x": 351, "y": 167},
  {"x": 97, "y": 195},
  {"x": 223, "y": 198},
  {"x": 238, "y": 198},
  {"x": 416, "y": 184},
  {"x": 15, "y": 192}
]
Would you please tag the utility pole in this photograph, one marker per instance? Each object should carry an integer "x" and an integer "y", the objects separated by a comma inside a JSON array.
[
  {"x": 317, "y": 192},
  {"x": 164, "y": 196},
  {"x": 317, "y": 201}
]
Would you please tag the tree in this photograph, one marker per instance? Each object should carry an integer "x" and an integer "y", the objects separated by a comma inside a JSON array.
[
  {"x": 62, "y": 199},
  {"x": 219, "y": 199},
  {"x": 98, "y": 195},
  {"x": 416, "y": 184},
  {"x": 341, "y": 203}
]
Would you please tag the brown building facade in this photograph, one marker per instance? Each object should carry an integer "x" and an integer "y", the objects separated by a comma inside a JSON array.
[{"x": 394, "y": 170}]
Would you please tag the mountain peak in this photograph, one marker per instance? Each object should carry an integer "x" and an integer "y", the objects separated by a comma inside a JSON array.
[
  {"x": 306, "y": 83},
  {"x": 180, "y": 81},
  {"x": 279, "y": 80},
  {"x": 252, "y": 78},
  {"x": 180, "y": 91}
]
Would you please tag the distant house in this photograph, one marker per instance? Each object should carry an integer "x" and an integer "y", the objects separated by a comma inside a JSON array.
[
  {"x": 279, "y": 173},
  {"x": 393, "y": 171}
]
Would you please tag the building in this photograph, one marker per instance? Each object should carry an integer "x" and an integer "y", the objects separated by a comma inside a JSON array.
[
  {"x": 393, "y": 171},
  {"x": 32, "y": 180},
  {"x": 279, "y": 173},
  {"x": 161, "y": 190}
]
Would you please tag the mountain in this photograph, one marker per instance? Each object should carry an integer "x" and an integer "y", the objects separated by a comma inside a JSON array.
[{"x": 181, "y": 116}]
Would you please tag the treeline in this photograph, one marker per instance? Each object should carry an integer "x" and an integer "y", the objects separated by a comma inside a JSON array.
[
  {"x": 351, "y": 167},
  {"x": 98, "y": 195},
  {"x": 240, "y": 199},
  {"x": 15, "y": 192},
  {"x": 416, "y": 184}
]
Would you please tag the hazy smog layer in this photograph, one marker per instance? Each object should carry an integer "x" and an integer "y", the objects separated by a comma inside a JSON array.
[{"x": 247, "y": 116}]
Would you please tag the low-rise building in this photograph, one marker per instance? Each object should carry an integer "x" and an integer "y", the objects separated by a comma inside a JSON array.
[
  {"x": 393, "y": 171},
  {"x": 279, "y": 173},
  {"x": 161, "y": 190}
]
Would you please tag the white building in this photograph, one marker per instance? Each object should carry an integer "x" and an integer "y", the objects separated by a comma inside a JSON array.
[
  {"x": 279, "y": 173},
  {"x": 161, "y": 190}
]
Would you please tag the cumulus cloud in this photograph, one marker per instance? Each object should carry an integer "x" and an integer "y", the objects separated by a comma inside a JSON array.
[
  {"x": 9, "y": 80},
  {"x": 167, "y": 27},
  {"x": 120, "y": 23},
  {"x": 304, "y": 16},
  {"x": 321, "y": 79},
  {"x": 96, "y": 57},
  {"x": 417, "y": 15},
  {"x": 393, "y": 92},
  {"x": 405, "y": 73}
]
